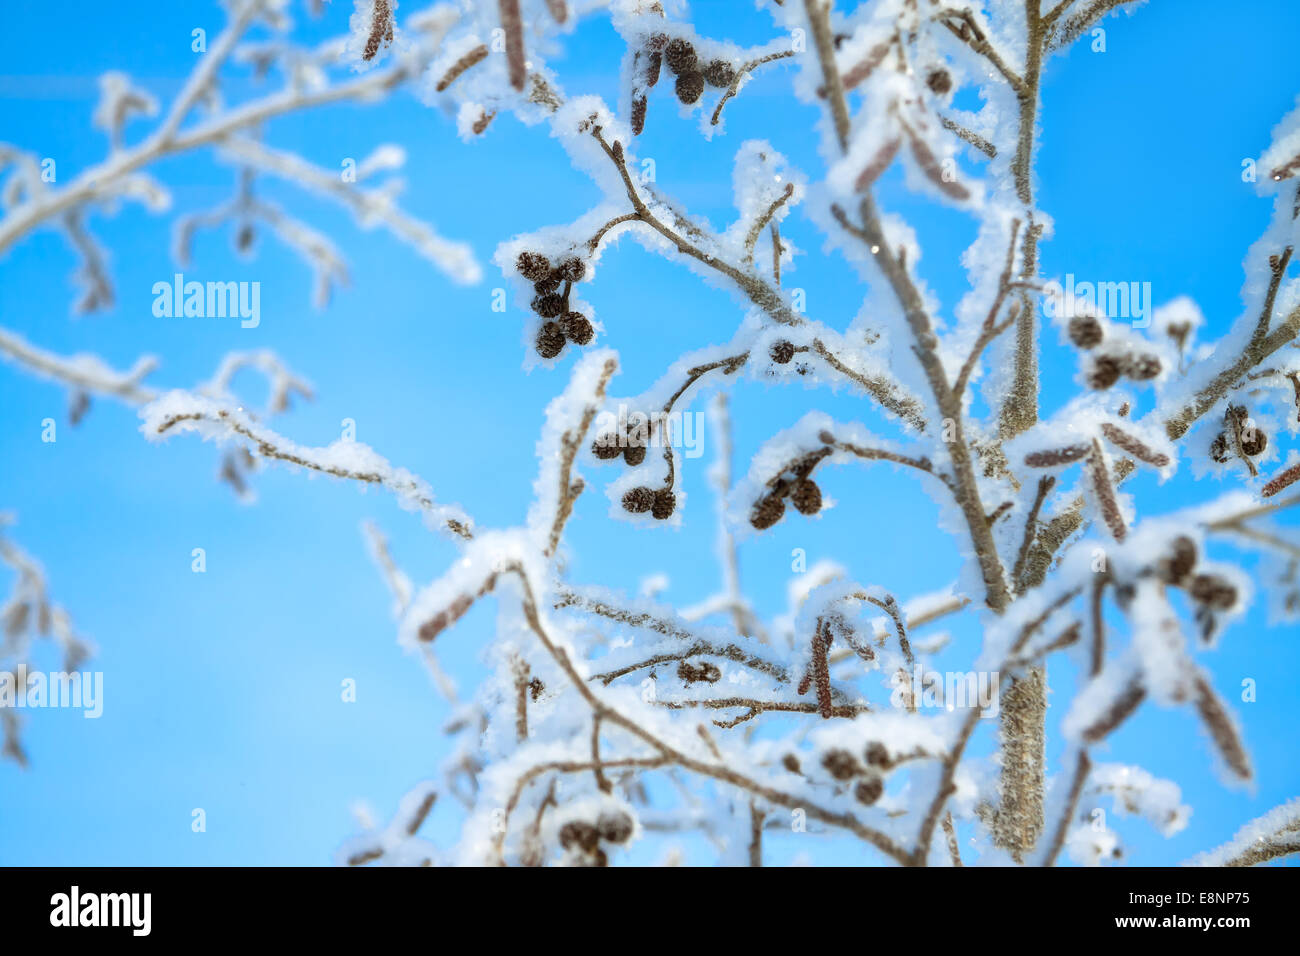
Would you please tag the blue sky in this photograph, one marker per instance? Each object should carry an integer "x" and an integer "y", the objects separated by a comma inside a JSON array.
[{"x": 222, "y": 688}]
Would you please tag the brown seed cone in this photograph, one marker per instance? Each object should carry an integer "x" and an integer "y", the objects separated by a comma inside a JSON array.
[
  {"x": 577, "y": 328},
  {"x": 1213, "y": 591},
  {"x": 665, "y": 504},
  {"x": 634, "y": 454},
  {"x": 533, "y": 266},
  {"x": 782, "y": 352},
  {"x": 806, "y": 497},
  {"x": 1181, "y": 560},
  {"x": 680, "y": 57},
  {"x": 1219, "y": 448},
  {"x": 1143, "y": 368},
  {"x": 579, "y": 833},
  {"x": 550, "y": 340},
  {"x": 939, "y": 81},
  {"x": 638, "y": 500},
  {"x": 719, "y": 73},
  {"x": 549, "y": 284},
  {"x": 548, "y": 306},
  {"x": 1253, "y": 442},
  {"x": 767, "y": 512},
  {"x": 841, "y": 764},
  {"x": 573, "y": 269},
  {"x": 606, "y": 447},
  {"x": 868, "y": 791},
  {"x": 878, "y": 754},
  {"x": 614, "y": 827},
  {"x": 1086, "y": 332},
  {"x": 1105, "y": 372},
  {"x": 689, "y": 87}
]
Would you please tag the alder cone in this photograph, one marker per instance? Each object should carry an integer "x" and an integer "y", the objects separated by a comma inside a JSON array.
[
  {"x": 782, "y": 352},
  {"x": 638, "y": 500},
  {"x": 767, "y": 512},
  {"x": 868, "y": 791},
  {"x": 606, "y": 447},
  {"x": 1105, "y": 372},
  {"x": 573, "y": 269},
  {"x": 719, "y": 73},
  {"x": 1086, "y": 331},
  {"x": 1143, "y": 368},
  {"x": 550, "y": 340},
  {"x": 806, "y": 497},
  {"x": 939, "y": 81},
  {"x": 1213, "y": 591},
  {"x": 577, "y": 328},
  {"x": 680, "y": 57},
  {"x": 665, "y": 504},
  {"x": 689, "y": 87},
  {"x": 548, "y": 306},
  {"x": 533, "y": 266},
  {"x": 1180, "y": 561}
]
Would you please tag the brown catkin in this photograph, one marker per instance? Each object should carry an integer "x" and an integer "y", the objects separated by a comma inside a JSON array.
[
  {"x": 1121, "y": 708},
  {"x": 476, "y": 55},
  {"x": 878, "y": 165},
  {"x": 1222, "y": 730},
  {"x": 821, "y": 670},
  {"x": 1056, "y": 456},
  {"x": 638, "y": 114},
  {"x": 1104, "y": 490},
  {"x": 1134, "y": 445},
  {"x": 512, "y": 24},
  {"x": 381, "y": 29},
  {"x": 929, "y": 165},
  {"x": 1281, "y": 480},
  {"x": 653, "y": 63}
]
